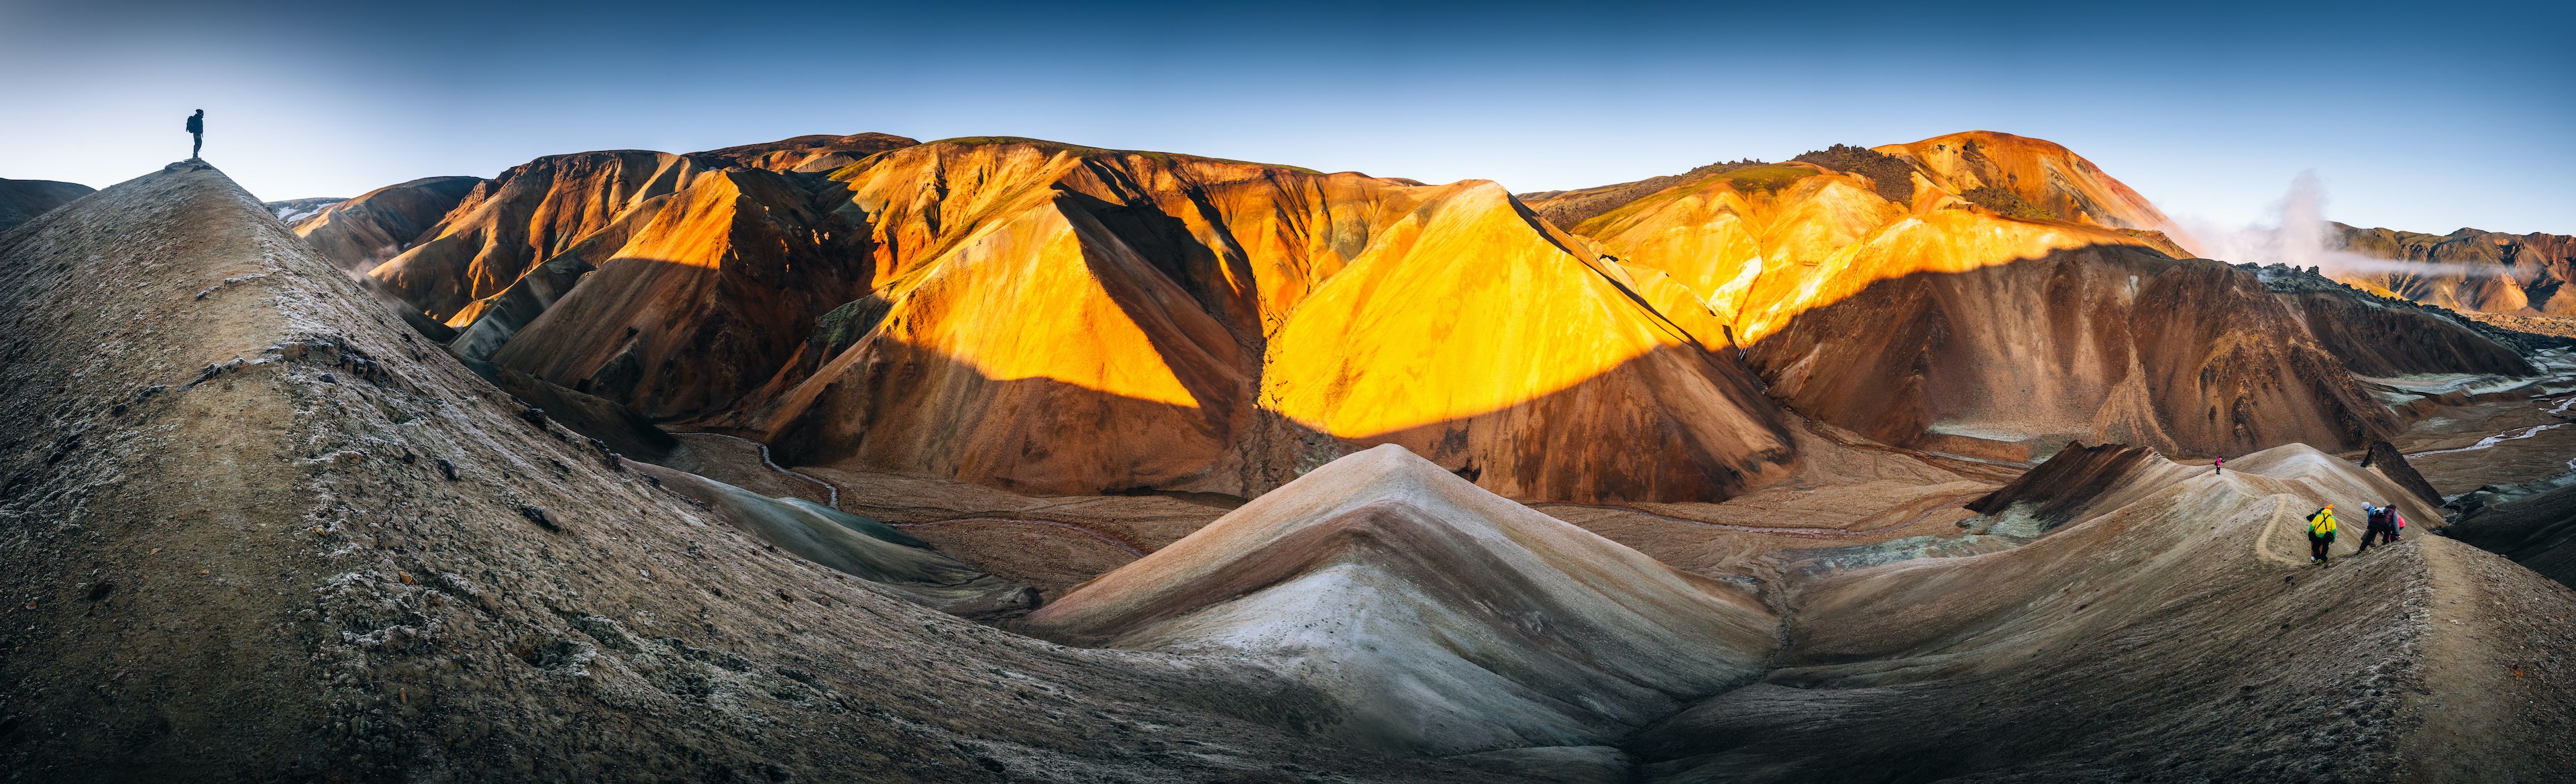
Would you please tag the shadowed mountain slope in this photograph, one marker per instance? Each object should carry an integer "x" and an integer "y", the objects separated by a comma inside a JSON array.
[
  {"x": 1998, "y": 335},
  {"x": 266, "y": 534},
  {"x": 816, "y": 153},
  {"x": 358, "y": 234},
  {"x": 1449, "y": 619},
  {"x": 2468, "y": 269},
  {"x": 2111, "y": 343},
  {"x": 856, "y": 546},
  {"x": 23, "y": 200},
  {"x": 2537, "y": 531}
]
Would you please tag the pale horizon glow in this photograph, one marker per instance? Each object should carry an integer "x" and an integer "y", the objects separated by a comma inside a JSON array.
[{"x": 2206, "y": 110}]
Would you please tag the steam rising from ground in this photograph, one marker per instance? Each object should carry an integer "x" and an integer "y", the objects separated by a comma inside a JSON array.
[{"x": 2301, "y": 237}]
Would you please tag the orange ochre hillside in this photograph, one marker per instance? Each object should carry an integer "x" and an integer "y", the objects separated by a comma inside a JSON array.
[{"x": 1057, "y": 319}]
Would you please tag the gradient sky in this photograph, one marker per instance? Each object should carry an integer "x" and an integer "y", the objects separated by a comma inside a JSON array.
[{"x": 2421, "y": 116}]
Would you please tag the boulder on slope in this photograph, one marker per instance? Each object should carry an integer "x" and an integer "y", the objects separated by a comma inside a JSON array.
[{"x": 1444, "y": 619}]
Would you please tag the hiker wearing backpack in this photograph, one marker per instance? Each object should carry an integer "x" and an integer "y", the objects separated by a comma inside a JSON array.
[
  {"x": 2321, "y": 532},
  {"x": 197, "y": 129},
  {"x": 2382, "y": 526}
]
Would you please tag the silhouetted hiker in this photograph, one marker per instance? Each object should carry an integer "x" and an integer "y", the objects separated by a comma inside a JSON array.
[
  {"x": 197, "y": 128},
  {"x": 2321, "y": 531},
  {"x": 2383, "y": 524},
  {"x": 2221, "y": 465}
]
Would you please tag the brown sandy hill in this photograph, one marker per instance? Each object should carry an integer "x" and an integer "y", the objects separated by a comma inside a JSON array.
[
  {"x": 2170, "y": 630},
  {"x": 23, "y": 200},
  {"x": 265, "y": 534},
  {"x": 2468, "y": 269},
  {"x": 358, "y": 234}
]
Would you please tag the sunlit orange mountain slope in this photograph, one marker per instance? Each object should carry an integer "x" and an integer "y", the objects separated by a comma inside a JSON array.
[
  {"x": 1059, "y": 319},
  {"x": 1982, "y": 326},
  {"x": 963, "y": 307}
]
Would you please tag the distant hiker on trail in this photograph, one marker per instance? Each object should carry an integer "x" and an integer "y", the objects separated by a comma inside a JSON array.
[
  {"x": 197, "y": 128},
  {"x": 2221, "y": 465},
  {"x": 2383, "y": 526},
  {"x": 2321, "y": 531}
]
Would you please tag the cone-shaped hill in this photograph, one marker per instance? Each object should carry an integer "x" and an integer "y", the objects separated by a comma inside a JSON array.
[
  {"x": 1448, "y": 619},
  {"x": 261, "y": 531}
]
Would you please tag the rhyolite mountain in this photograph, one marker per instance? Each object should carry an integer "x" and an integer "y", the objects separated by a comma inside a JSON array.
[
  {"x": 273, "y": 520},
  {"x": 957, "y": 308},
  {"x": 2468, "y": 269},
  {"x": 2014, "y": 297},
  {"x": 273, "y": 533}
]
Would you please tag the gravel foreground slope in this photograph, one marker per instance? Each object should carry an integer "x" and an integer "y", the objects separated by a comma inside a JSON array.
[
  {"x": 2173, "y": 631},
  {"x": 252, "y": 529}
]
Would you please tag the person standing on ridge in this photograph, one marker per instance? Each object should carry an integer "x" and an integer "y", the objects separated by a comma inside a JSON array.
[
  {"x": 2382, "y": 526},
  {"x": 2321, "y": 531},
  {"x": 197, "y": 128},
  {"x": 2220, "y": 465}
]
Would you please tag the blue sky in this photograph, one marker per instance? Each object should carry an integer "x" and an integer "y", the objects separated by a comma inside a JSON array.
[{"x": 2419, "y": 116}]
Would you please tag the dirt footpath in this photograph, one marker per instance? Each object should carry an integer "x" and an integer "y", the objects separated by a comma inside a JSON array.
[{"x": 2492, "y": 622}]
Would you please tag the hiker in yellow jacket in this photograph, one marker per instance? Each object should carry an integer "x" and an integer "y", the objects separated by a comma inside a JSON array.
[{"x": 2321, "y": 531}]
